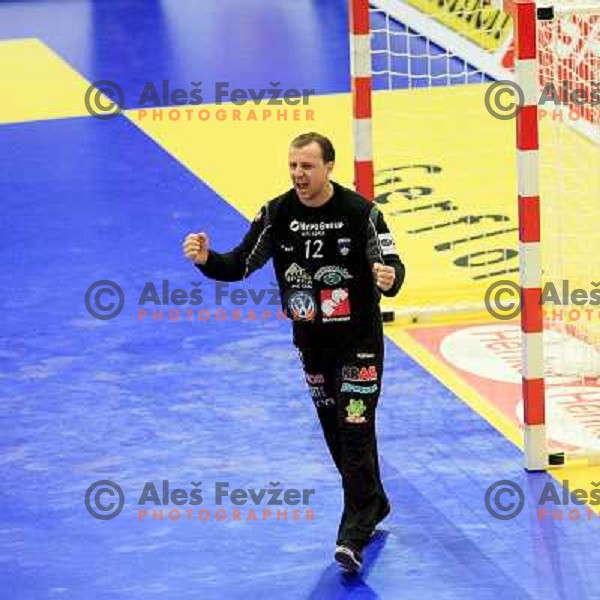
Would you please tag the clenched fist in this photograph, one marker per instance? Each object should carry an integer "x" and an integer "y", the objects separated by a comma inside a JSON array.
[
  {"x": 195, "y": 247},
  {"x": 384, "y": 276}
]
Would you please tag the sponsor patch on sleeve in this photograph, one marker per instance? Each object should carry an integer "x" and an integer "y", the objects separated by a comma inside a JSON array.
[{"x": 387, "y": 244}]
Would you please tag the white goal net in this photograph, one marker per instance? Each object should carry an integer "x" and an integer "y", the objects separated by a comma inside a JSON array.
[
  {"x": 446, "y": 176},
  {"x": 569, "y": 75}
]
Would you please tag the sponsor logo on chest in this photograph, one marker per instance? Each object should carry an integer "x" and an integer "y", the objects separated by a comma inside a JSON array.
[
  {"x": 344, "y": 246},
  {"x": 297, "y": 277},
  {"x": 301, "y": 306},
  {"x": 332, "y": 275},
  {"x": 315, "y": 229},
  {"x": 335, "y": 305}
]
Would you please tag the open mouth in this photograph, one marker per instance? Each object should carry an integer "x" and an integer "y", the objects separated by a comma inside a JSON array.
[{"x": 301, "y": 187}]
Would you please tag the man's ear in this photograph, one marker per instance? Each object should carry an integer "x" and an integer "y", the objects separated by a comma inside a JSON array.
[{"x": 330, "y": 166}]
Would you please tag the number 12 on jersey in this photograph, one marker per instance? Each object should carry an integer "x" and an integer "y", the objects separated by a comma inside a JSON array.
[{"x": 313, "y": 248}]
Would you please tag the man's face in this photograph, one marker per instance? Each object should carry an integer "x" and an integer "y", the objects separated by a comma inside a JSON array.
[{"x": 308, "y": 172}]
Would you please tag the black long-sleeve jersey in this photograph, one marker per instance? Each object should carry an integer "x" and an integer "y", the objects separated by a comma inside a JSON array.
[{"x": 323, "y": 258}]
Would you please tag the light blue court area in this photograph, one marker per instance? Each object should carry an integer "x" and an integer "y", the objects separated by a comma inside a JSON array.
[{"x": 135, "y": 400}]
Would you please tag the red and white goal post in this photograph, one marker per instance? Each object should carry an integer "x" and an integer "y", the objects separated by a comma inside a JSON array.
[{"x": 558, "y": 179}]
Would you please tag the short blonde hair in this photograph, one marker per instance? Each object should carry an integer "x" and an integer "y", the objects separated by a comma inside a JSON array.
[{"x": 327, "y": 149}]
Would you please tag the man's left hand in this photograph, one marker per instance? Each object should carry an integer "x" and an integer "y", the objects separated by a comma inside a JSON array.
[{"x": 384, "y": 276}]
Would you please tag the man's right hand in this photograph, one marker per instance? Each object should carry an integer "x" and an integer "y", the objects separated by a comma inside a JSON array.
[{"x": 195, "y": 247}]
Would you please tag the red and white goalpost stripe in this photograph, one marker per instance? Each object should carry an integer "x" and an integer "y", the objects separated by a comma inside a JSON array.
[
  {"x": 526, "y": 76},
  {"x": 525, "y": 17},
  {"x": 362, "y": 86}
]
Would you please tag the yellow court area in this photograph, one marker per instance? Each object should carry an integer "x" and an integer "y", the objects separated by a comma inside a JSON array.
[
  {"x": 37, "y": 84},
  {"x": 456, "y": 222}
]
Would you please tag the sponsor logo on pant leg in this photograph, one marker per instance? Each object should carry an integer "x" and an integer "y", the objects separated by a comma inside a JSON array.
[
  {"x": 315, "y": 378},
  {"x": 360, "y": 374},
  {"x": 358, "y": 389},
  {"x": 355, "y": 411},
  {"x": 317, "y": 392},
  {"x": 325, "y": 402}
]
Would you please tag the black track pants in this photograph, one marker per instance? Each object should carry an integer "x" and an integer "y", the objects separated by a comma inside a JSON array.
[{"x": 345, "y": 387}]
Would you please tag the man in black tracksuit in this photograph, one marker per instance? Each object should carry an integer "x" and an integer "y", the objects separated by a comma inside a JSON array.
[{"x": 333, "y": 256}]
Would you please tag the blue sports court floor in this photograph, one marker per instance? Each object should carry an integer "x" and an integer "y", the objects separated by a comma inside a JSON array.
[{"x": 132, "y": 400}]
